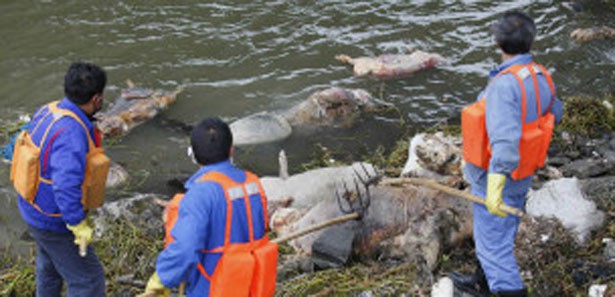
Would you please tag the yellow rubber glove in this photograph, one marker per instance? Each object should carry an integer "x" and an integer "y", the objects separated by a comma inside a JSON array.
[
  {"x": 495, "y": 185},
  {"x": 155, "y": 288},
  {"x": 82, "y": 232}
]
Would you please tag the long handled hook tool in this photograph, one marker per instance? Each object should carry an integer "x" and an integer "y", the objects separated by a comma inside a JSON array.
[
  {"x": 353, "y": 204},
  {"x": 430, "y": 183}
]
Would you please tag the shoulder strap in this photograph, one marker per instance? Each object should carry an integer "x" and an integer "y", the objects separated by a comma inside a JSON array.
[
  {"x": 514, "y": 70},
  {"x": 536, "y": 90},
  {"x": 65, "y": 112},
  {"x": 59, "y": 113},
  {"x": 218, "y": 177},
  {"x": 227, "y": 184},
  {"x": 51, "y": 107},
  {"x": 532, "y": 69},
  {"x": 253, "y": 178},
  {"x": 234, "y": 190},
  {"x": 550, "y": 82},
  {"x": 48, "y": 109}
]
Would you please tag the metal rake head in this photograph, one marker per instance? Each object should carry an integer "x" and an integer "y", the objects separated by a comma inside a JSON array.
[{"x": 358, "y": 201}]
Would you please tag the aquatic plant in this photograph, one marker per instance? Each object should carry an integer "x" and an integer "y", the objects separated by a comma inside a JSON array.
[
  {"x": 128, "y": 254},
  {"x": 323, "y": 157},
  {"x": 382, "y": 279},
  {"x": 17, "y": 275},
  {"x": 588, "y": 115}
]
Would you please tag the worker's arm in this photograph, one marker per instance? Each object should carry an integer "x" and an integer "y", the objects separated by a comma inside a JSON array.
[
  {"x": 190, "y": 231},
  {"x": 557, "y": 110},
  {"x": 503, "y": 119},
  {"x": 503, "y": 116},
  {"x": 66, "y": 160}
]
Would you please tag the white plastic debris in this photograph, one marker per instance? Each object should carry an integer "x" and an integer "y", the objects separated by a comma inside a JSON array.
[
  {"x": 443, "y": 288},
  {"x": 564, "y": 200},
  {"x": 597, "y": 291}
]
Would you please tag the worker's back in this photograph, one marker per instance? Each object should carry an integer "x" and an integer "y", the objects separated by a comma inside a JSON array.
[
  {"x": 200, "y": 230},
  {"x": 64, "y": 144}
]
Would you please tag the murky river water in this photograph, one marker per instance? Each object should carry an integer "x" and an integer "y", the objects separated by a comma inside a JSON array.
[{"x": 235, "y": 58}]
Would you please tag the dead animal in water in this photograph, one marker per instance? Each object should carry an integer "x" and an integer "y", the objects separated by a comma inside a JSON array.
[
  {"x": 133, "y": 107},
  {"x": 595, "y": 33},
  {"x": 392, "y": 65},
  {"x": 329, "y": 107},
  {"x": 334, "y": 106}
]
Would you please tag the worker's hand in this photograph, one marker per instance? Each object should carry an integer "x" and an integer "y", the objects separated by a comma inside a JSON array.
[
  {"x": 82, "y": 232},
  {"x": 155, "y": 288},
  {"x": 495, "y": 185}
]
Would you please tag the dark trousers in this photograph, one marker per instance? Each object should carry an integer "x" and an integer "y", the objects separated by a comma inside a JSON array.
[{"x": 58, "y": 260}]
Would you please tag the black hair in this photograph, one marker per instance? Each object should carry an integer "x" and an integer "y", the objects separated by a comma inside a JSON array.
[
  {"x": 82, "y": 81},
  {"x": 514, "y": 33},
  {"x": 211, "y": 141}
]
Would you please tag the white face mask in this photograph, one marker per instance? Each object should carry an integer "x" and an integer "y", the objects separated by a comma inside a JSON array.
[{"x": 190, "y": 153}]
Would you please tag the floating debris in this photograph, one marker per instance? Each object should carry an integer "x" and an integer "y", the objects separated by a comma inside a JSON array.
[
  {"x": 392, "y": 65},
  {"x": 135, "y": 106},
  {"x": 594, "y": 33}
]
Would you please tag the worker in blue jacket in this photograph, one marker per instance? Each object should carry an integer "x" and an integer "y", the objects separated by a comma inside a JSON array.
[
  {"x": 201, "y": 219},
  {"x": 56, "y": 218},
  {"x": 494, "y": 232}
]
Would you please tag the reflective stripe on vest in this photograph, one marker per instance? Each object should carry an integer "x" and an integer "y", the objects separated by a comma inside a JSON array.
[{"x": 233, "y": 191}]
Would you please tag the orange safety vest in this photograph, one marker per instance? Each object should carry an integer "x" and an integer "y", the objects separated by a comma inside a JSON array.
[
  {"x": 536, "y": 135},
  {"x": 245, "y": 269},
  {"x": 26, "y": 167}
]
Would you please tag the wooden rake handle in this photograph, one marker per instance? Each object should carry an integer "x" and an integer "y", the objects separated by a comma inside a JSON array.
[
  {"x": 83, "y": 247},
  {"x": 430, "y": 183},
  {"x": 325, "y": 224}
]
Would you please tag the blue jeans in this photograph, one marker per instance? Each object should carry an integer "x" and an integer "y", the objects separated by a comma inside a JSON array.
[{"x": 58, "y": 260}]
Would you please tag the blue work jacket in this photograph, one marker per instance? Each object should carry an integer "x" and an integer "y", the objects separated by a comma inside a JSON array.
[
  {"x": 503, "y": 119},
  {"x": 63, "y": 162},
  {"x": 201, "y": 226}
]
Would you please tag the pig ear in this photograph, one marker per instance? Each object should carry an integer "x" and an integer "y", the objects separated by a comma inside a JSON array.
[
  {"x": 129, "y": 83},
  {"x": 344, "y": 59}
]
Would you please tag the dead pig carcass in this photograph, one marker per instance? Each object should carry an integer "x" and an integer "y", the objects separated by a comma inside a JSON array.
[
  {"x": 134, "y": 106},
  {"x": 401, "y": 222},
  {"x": 392, "y": 65},
  {"x": 594, "y": 33}
]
